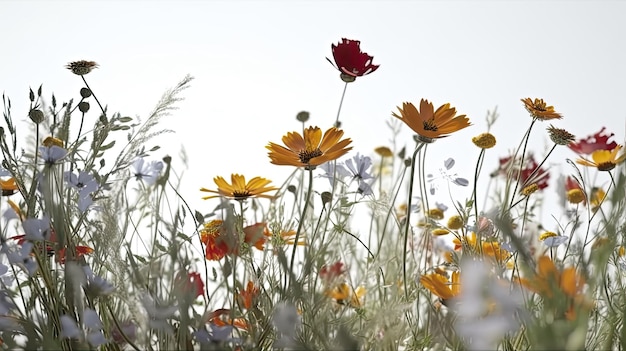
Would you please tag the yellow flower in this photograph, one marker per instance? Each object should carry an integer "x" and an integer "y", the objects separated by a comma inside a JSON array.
[
  {"x": 575, "y": 196},
  {"x": 311, "y": 150},
  {"x": 455, "y": 222},
  {"x": 81, "y": 67},
  {"x": 484, "y": 141},
  {"x": 604, "y": 160},
  {"x": 431, "y": 124},
  {"x": 530, "y": 189},
  {"x": 538, "y": 109},
  {"x": 239, "y": 189},
  {"x": 345, "y": 295},
  {"x": 383, "y": 151},
  {"x": 439, "y": 285},
  {"x": 621, "y": 252},
  {"x": 49, "y": 141},
  {"x": 546, "y": 235},
  {"x": 597, "y": 196},
  {"x": 435, "y": 213},
  {"x": 439, "y": 231}
]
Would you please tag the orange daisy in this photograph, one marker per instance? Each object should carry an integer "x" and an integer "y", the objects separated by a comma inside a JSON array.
[
  {"x": 538, "y": 109},
  {"x": 310, "y": 150},
  {"x": 239, "y": 189},
  {"x": 431, "y": 124}
]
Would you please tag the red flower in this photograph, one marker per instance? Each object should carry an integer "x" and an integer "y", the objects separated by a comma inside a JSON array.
[
  {"x": 79, "y": 250},
  {"x": 190, "y": 283},
  {"x": 351, "y": 61},
  {"x": 540, "y": 176},
  {"x": 221, "y": 241},
  {"x": 598, "y": 141},
  {"x": 332, "y": 272}
]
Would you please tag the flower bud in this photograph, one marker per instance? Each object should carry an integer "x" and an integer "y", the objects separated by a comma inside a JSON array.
[
  {"x": 83, "y": 106},
  {"x": 85, "y": 93},
  {"x": 36, "y": 116},
  {"x": 302, "y": 116}
]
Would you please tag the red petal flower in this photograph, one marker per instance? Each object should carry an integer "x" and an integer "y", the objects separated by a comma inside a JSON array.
[
  {"x": 351, "y": 61},
  {"x": 598, "y": 141}
]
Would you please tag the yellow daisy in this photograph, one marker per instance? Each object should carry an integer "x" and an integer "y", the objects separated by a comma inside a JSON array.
[
  {"x": 604, "y": 160},
  {"x": 239, "y": 189}
]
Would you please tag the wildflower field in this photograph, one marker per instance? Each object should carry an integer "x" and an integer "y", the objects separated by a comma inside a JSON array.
[{"x": 101, "y": 250}]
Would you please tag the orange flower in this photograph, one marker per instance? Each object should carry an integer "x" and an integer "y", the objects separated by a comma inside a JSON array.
[
  {"x": 220, "y": 318},
  {"x": 548, "y": 279},
  {"x": 538, "y": 109},
  {"x": 439, "y": 285},
  {"x": 8, "y": 187},
  {"x": 345, "y": 295},
  {"x": 239, "y": 189},
  {"x": 220, "y": 241},
  {"x": 311, "y": 150},
  {"x": 248, "y": 296},
  {"x": 431, "y": 124}
]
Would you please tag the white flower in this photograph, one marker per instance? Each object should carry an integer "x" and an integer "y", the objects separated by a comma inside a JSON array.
[
  {"x": 36, "y": 229},
  {"x": 555, "y": 241},
  {"x": 86, "y": 184},
  {"x": 52, "y": 154},
  {"x": 147, "y": 172},
  {"x": 69, "y": 328}
]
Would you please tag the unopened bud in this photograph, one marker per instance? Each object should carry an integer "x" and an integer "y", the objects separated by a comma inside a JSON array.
[
  {"x": 36, "y": 116},
  {"x": 83, "y": 106},
  {"x": 326, "y": 198},
  {"x": 85, "y": 92},
  {"x": 302, "y": 116}
]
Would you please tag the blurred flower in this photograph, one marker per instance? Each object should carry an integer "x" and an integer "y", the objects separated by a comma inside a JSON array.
[
  {"x": 95, "y": 285},
  {"x": 50, "y": 140},
  {"x": 351, "y": 61},
  {"x": 37, "y": 229},
  {"x": 240, "y": 190},
  {"x": 435, "y": 213},
  {"x": 332, "y": 272},
  {"x": 529, "y": 174},
  {"x": 455, "y": 222},
  {"x": 490, "y": 249},
  {"x": 286, "y": 321},
  {"x": 383, "y": 151},
  {"x": 538, "y": 109},
  {"x": 596, "y": 198},
  {"x": 597, "y": 141},
  {"x": 358, "y": 170},
  {"x": 20, "y": 255},
  {"x": 81, "y": 67},
  {"x": 555, "y": 241},
  {"x": 484, "y": 141},
  {"x": 431, "y": 124},
  {"x": 343, "y": 294},
  {"x": 334, "y": 171},
  {"x": 574, "y": 193},
  {"x": 147, "y": 172},
  {"x": 439, "y": 285},
  {"x": 216, "y": 244},
  {"x": 158, "y": 314},
  {"x": 69, "y": 328},
  {"x": 444, "y": 174},
  {"x": 284, "y": 238},
  {"x": 189, "y": 284},
  {"x": 439, "y": 231},
  {"x": 560, "y": 136},
  {"x": 311, "y": 150},
  {"x": 52, "y": 154},
  {"x": 487, "y": 309},
  {"x": 248, "y": 296},
  {"x": 220, "y": 318},
  {"x": 8, "y": 187},
  {"x": 218, "y": 334},
  {"x": 529, "y": 189},
  {"x": 604, "y": 160}
]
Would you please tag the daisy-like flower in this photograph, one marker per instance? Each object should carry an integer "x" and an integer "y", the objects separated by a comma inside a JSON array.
[
  {"x": 248, "y": 296},
  {"x": 560, "y": 136},
  {"x": 147, "y": 172},
  {"x": 86, "y": 185},
  {"x": 439, "y": 285},
  {"x": 81, "y": 67},
  {"x": 358, "y": 166},
  {"x": 52, "y": 154},
  {"x": 604, "y": 160},
  {"x": 240, "y": 190},
  {"x": 538, "y": 109},
  {"x": 8, "y": 187},
  {"x": 430, "y": 124},
  {"x": 574, "y": 193},
  {"x": 343, "y": 294},
  {"x": 310, "y": 150},
  {"x": 597, "y": 141},
  {"x": 351, "y": 61}
]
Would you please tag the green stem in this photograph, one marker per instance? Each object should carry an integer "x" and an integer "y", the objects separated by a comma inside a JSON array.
[{"x": 302, "y": 215}]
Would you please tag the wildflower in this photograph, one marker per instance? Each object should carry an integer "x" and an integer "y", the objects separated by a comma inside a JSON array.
[
  {"x": 37, "y": 229},
  {"x": 218, "y": 334},
  {"x": 147, "y": 172},
  {"x": 216, "y": 244},
  {"x": 335, "y": 172},
  {"x": 596, "y": 198},
  {"x": 445, "y": 174},
  {"x": 284, "y": 238},
  {"x": 528, "y": 175},
  {"x": 538, "y": 109},
  {"x": 332, "y": 272},
  {"x": 546, "y": 235},
  {"x": 86, "y": 184},
  {"x": 597, "y": 141},
  {"x": 490, "y": 249},
  {"x": 50, "y": 140},
  {"x": 311, "y": 150},
  {"x": 574, "y": 194},
  {"x": 455, "y": 222},
  {"x": 81, "y": 67},
  {"x": 435, "y": 213},
  {"x": 560, "y": 136},
  {"x": 439, "y": 231},
  {"x": 158, "y": 314},
  {"x": 95, "y": 285},
  {"x": 529, "y": 189},
  {"x": 383, "y": 151},
  {"x": 286, "y": 321},
  {"x": 8, "y": 187},
  {"x": 351, "y": 61},
  {"x": 52, "y": 154},
  {"x": 604, "y": 160},
  {"x": 239, "y": 189},
  {"x": 21, "y": 256},
  {"x": 189, "y": 284},
  {"x": 430, "y": 124},
  {"x": 220, "y": 318},
  {"x": 439, "y": 285},
  {"x": 551, "y": 239},
  {"x": 343, "y": 294},
  {"x": 484, "y": 141},
  {"x": 358, "y": 171},
  {"x": 247, "y": 297}
]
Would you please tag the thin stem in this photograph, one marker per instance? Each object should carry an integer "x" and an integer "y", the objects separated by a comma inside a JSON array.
[
  {"x": 345, "y": 87},
  {"x": 94, "y": 96},
  {"x": 301, "y": 223},
  {"x": 407, "y": 219}
]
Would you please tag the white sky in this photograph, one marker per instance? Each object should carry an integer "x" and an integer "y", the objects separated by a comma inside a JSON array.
[{"x": 256, "y": 64}]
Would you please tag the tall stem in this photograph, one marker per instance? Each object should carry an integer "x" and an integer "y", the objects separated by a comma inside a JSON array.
[
  {"x": 301, "y": 223},
  {"x": 340, "y": 105}
]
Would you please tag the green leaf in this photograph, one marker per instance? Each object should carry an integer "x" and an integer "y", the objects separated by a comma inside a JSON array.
[{"x": 125, "y": 119}]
